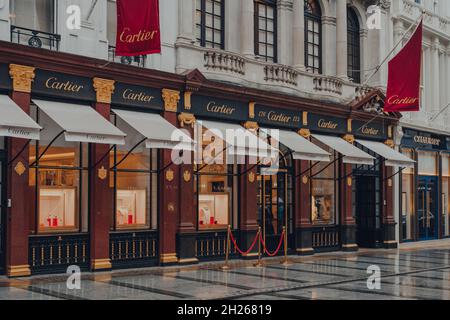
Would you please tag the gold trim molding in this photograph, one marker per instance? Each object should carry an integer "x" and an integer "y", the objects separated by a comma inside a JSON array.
[
  {"x": 349, "y": 125},
  {"x": 22, "y": 77},
  {"x": 349, "y": 138},
  {"x": 251, "y": 177},
  {"x": 171, "y": 99},
  {"x": 305, "y": 179},
  {"x": 305, "y": 133},
  {"x": 251, "y": 125},
  {"x": 101, "y": 264},
  {"x": 102, "y": 173},
  {"x": 186, "y": 119},
  {"x": 390, "y": 143},
  {"x": 170, "y": 175},
  {"x": 305, "y": 118},
  {"x": 20, "y": 168},
  {"x": 19, "y": 271},
  {"x": 187, "y": 176},
  {"x": 390, "y": 131},
  {"x": 187, "y": 100},
  {"x": 104, "y": 89},
  {"x": 169, "y": 258},
  {"x": 251, "y": 110}
]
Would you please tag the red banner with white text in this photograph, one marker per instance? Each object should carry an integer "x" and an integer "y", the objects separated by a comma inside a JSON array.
[
  {"x": 403, "y": 89},
  {"x": 138, "y": 31}
]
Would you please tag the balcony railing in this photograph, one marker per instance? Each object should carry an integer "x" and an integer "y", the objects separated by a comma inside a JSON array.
[
  {"x": 34, "y": 38},
  {"x": 137, "y": 61},
  {"x": 224, "y": 61}
]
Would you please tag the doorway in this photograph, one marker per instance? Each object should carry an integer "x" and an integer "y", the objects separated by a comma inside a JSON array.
[
  {"x": 2, "y": 210},
  {"x": 368, "y": 212},
  {"x": 427, "y": 212}
]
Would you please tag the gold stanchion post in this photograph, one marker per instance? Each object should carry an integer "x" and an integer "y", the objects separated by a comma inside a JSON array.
[
  {"x": 226, "y": 267},
  {"x": 259, "y": 263},
  {"x": 285, "y": 259}
]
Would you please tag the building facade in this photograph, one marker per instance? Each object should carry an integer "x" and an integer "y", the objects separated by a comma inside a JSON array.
[{"x": 303, "y": 67}]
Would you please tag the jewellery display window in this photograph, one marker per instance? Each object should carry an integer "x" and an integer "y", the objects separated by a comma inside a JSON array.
[
  {"x": 131, "y": 208},
  {"x": 213, "y": 210},
  {"x": 57, "y": 208}
]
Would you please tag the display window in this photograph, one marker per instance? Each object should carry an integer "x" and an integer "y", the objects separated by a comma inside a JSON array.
[
  {"x": 445, "y": 194},
  {"x": 428, "y": 163},
  {"x": 324, "y": 189},
  {"x": 214, "y": 189},
  {"x": 407, "y": 199},
  {"x": 59, "y": 176},
  {"x": 134, "y": 178}
]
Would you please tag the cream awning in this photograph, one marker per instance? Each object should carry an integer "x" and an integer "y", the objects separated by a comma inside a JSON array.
[
  {"x": 81, "y": 123},
  {"x": 160, "y": 133},
  {"x": 240, "y": 141},
  {"x": 351, "y": 154},
  {"x": 392, "y": 158},
  {"x": 14, "y": 122},
  {"x": 301, "y": 148}
]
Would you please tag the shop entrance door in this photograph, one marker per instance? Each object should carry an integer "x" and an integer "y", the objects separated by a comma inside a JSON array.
[
  {"x": 367, "y": 215},
  {"x": 275, "y": 208},
  {"x": 428, "y": 208},
  {"x": 2, "y": 210}
]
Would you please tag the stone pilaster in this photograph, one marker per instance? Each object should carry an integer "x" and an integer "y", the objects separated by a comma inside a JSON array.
[
  {"x": 247, "y": 25},
  {"x": 341, "y": 40},
  {"x": 298, "y": 39},
  {"x": 285, "y": 44},
  {"x": 186, "y": 17}
]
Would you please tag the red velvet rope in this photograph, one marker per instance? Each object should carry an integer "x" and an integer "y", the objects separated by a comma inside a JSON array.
[
  {"x": 278, "y": 248},
  {"x": 238, "y": 249}
]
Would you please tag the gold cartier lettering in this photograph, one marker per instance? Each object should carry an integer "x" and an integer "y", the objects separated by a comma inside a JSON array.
[
  {"x": 278, "y": 117},
  {"x": 427, "y": 140},
  {"x": 129, "y": 94},
  {"x": 324, "y": 124},
  {"x": 68, "y": 86},
  {"x": 223, "y": 109},
  {"x": 370, "y": 131},
  {"x": 141, "y": 36}
]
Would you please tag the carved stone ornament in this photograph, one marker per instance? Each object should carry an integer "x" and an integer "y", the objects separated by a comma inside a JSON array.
[
  {"x": 171, "y": 99},
  {"x": 186, "y": 119}
]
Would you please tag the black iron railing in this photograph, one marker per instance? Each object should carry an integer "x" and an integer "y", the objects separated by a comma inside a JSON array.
[
  {"x": 50, "y": 253},
  {"x": 213, "y": 245},
  {"x": 34, "y": 38},
  {"x": 326, "y": 238},
  {"x": 133, "y": 249},
  {"x": 138, "y": 61}
]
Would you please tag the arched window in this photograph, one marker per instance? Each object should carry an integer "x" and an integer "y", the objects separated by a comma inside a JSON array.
[
  {"x": 313, "y": 36},
  {"x": 353, "y": 46}
]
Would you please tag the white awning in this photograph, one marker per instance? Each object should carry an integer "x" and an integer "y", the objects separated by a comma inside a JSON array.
[
  {"x": 14, "y": 122},
  {"x": 351, "y": 153},
  {"x": 240, "y": 141},
  {"x": 160, "y": 133},
  {"x": 392, "y": 157},
  {"x": 301, "y": 148},
  {"x": 81, "y": 123}
]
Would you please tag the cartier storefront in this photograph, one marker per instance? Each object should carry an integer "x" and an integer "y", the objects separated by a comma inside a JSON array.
[
  {"x": 424, "y": 197},
  {"x": 89, "y": 176}
]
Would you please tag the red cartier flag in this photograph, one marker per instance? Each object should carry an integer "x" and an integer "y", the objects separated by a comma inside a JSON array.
[
  {"x": 403, "y": 89},
  {"x": 138, "y": 31}
]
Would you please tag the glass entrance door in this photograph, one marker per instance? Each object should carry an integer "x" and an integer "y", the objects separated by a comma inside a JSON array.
[
  {"x": 275, "y": 208},
  {"x": 428, "y": 208},
  {"x": 2, "y": 210}
]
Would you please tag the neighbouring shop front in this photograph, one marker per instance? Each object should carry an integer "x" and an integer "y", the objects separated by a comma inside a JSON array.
[
  {"x": 424, "y": 196},
  {"x": 3, "y": 204}
]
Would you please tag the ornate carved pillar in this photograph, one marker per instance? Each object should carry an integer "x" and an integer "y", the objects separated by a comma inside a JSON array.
[
  {"x": 341, "y": 39},
  {"x": 187, "y": 225},
  {"x": 101, "y": 195},
  {"x": 19, "y": 214},
  {"x": 298, "y": 39},
  {"x": 169, "y": 188}
]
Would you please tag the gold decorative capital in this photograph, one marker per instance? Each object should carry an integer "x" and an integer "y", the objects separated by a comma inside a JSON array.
[
  {"x": 305, "y": 133},
  {"x": 349, "y": 138},
  {"x": 251, "y": 110},
  {"x": 186, "y": 119},
  {"x": 251, "y": 125},
  {"x": 102, "y": 173},
  {"x": 305, "y": 118},
  {"x": 390, "y": 143},
  {"x": 104, "y": 89},
  {"x": 22, "y": 77},
  {"x": 171, "y": 99},
  {"x": 170, "y": 175},
  {"x": 187, "y": 100},
  {"x": 305, "y": 179}
]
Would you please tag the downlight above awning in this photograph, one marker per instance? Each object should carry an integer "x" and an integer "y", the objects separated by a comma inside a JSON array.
[
  {"x": 392, "y": 157},
  {"x": 301, "y": 148},
  {"x": 351, "y": 154},
  {"x": 81, "y": 123},
  {"x": 14, "y": 122},
  {"x": 160, "y": 133}
]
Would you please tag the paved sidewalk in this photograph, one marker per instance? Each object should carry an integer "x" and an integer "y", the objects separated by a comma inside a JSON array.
[{"x": 415, "y": 271}]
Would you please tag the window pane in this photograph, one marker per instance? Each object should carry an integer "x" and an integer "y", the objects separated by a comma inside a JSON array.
[
  {"x": 428, "y": 163},
  {"x": 323, "y": 201}
]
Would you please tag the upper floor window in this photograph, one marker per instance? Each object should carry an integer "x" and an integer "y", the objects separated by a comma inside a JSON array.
[
  {"x": 210, "y": 25},
  {"x": 313, "y": 36},
  {"x": 353, "y": 46},
  {"x": 37, "y": 15},
  {"x": 266, "y": 29}
]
